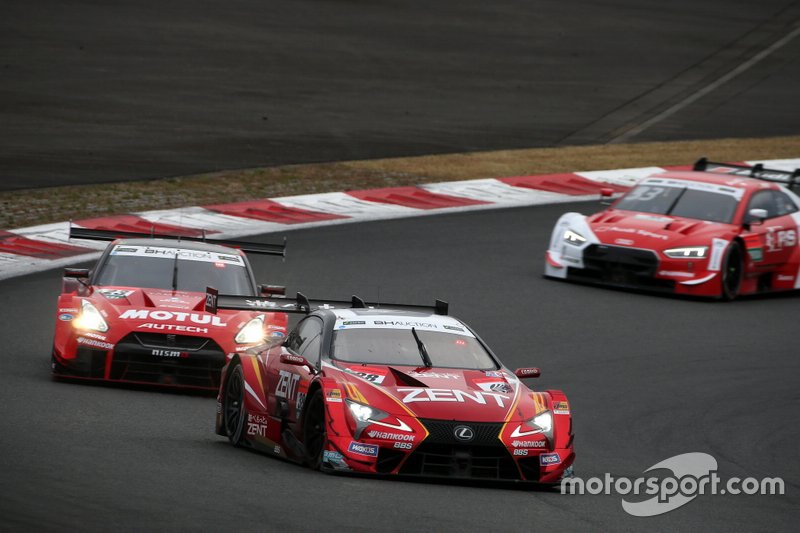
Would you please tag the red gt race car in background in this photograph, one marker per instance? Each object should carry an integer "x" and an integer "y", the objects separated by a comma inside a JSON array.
[
  {"x": 402, "y": 390},
  {"x": 138, "y": 316},
  {"x": 717, "y": 231}
]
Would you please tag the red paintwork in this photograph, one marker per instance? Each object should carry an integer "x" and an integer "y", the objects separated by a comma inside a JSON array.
[
  {"x": 449, "y": 394},
  {"x": 630, "y": 229}
]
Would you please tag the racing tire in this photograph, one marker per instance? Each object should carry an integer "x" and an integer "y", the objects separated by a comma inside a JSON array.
[
  {"x": 315, "y": 433},
  {"x": 732, "y": 272},
  {"x": 234, "y": 413}
]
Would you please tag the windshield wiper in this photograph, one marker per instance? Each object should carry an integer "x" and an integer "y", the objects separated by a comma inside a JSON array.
[
  {"x": 675, "y": 203},
  {"x": 175, "y": 272},
  {"x": 423, "y": 352}
]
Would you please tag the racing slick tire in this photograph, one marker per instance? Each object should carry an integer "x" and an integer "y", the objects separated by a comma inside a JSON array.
[
  {"x": 315, "y": 434},
  {"x": 233, "y": 410},
  {"x": 732, "y": 271}
]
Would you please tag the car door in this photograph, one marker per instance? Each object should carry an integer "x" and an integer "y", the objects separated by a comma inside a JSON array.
[
  {"x": 777, "y": 234},
  {"x": 289, "y": 383}
]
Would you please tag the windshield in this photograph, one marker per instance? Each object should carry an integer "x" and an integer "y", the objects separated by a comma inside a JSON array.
[
  {"x": 398, "y": 347},
  {"x": 680, "y": 202},
  {"x": 154, "y": 268}
]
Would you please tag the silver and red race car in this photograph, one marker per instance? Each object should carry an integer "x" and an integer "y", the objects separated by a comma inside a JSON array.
[
  {"x": 716, "y": 231},
  {"x": 401, "y": 390},
  {"x": 138, "y": 316}
]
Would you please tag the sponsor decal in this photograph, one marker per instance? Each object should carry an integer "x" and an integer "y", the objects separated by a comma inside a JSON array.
[
  {"x": 115, "y": 294},
  {"x": 334, "y": 396},
  {"x": 369, "y": 450},
  {"x": 301, "y": 400},
  {"x": 675, "y": 274},
  {"x": 624, "y": 242},
  {"x": 287, "y": 384},
  {"x": 390, "y": 436},
  {"x": 172, "y": 327},
  {"x": 718, "y": 247},
  {"x": 405, "y": 324},
  {"x": 170, "y": 253},
  {"x": 95, "y": 343},
  {"x": 778, "y": 239},
  {"x": 354, "y": 323},
  {"x": 433, "y": 375},
  {"x": 548, "y": 459},
  {"x": 418, "y": 394},
  {"x": 94, "y": 335},
  {"x": 528, "y": 443},
  {"x": 493, "y": 374},
  {"x": 781, "y": 277},
  {"x": 756, "y": 254},
  {"x": 561, "y": 408},
  {"x": 173, "y": 316},
  {"x": 277, "y": 334},
  {"x": 372, "y": 374},
  {"x": 257, "y": 426},
  {"x": 452, "y": 328},
  {"x": 334, "y": 460},
  {"x": 68, "y": 310},
  {"x": 277, "y": 449},
  {"x": 168, "y": 353},
  {"x": 493, "y": 385}
]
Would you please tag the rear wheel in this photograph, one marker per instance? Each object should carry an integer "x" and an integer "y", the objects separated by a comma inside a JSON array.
[
  {"x": 732, "y": 271},
  {"x": 233, "y": 411},
  {"x": 315, "y": 434}
]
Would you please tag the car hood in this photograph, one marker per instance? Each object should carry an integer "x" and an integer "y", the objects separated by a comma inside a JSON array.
[
  {"x": 439, "y": 393},
  {"x": 654, "y": 232}
]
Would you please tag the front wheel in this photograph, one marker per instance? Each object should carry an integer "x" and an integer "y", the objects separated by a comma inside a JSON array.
[
  {"x": 315, "y": 435},
  {"x": 233, "y": 411},
  {"x": 732, "y": 271}
]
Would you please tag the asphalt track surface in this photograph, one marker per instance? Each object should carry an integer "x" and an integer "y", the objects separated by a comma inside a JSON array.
[
  {"x": 94, "y": 92},
  {"x": 648, "y": 377}
]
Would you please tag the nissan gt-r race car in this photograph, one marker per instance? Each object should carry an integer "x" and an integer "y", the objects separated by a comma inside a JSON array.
[
  {"x": 138, "y": 316},
  {"x": 717, "y": 231},
  {"x": 403, "y": 391}
]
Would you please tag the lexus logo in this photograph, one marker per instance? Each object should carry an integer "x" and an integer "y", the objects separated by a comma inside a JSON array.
[{"x": 463, "y": 433}]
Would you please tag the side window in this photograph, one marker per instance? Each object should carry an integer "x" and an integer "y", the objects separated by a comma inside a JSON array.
[
  {"x": 306, "y": 339},
  {"x": 784, "y": 203},
  {"x": 764, "y": 200}
]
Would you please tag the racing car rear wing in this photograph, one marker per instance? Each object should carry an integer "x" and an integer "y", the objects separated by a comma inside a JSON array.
[
  {"x": 111, "y": 235},
  {"x": 302, "y": 304},
  {"x": 790, "y": 179}
]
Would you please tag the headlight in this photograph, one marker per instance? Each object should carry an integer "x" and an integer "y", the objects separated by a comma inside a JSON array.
[
  {"x": 574, "y": 238},
  {"x": 252, "y": 332},
  {"x": 687, "y": 252},
  {"x": 541, "y": 424},
  {"x": 90, "y": 318},
  {"x": 365, "y": 413}
]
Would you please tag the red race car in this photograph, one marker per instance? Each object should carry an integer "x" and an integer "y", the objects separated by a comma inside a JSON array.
[
  {"x": 138, "y": 316},
  {"x": 717, "y": 231},
  {"x": 402, "y": 390}
]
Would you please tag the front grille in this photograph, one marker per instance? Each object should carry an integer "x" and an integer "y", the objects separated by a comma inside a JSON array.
[
  {"x": 617, "y": 265},
  {"x": 88, "y": 362},
  {"x": 443, "y": 432},
  {"x": 198, "y": 365},
  {"x": 171, "y": 342},
  {"x": 467, "y": 462}
]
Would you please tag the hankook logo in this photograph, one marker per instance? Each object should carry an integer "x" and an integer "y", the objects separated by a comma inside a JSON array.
[{"x": 463, "y": 433}]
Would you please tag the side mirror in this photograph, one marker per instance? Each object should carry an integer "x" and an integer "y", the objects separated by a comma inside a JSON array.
[
  {"x": 606, "y": 194},
  {"x": 297, "y": 360},
  {"x": 756, "y": 216},
  {"x": 272, "y": 290},
  {"x": 79, "y": 273},
  {"x": 523, "y": 373}
]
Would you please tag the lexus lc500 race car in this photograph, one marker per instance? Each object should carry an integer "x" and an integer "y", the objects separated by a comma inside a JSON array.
[
  {"x": 139, "y": 316},
  {"x": 401, "y": 390},
  {"x": 717, "y": 231}
]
